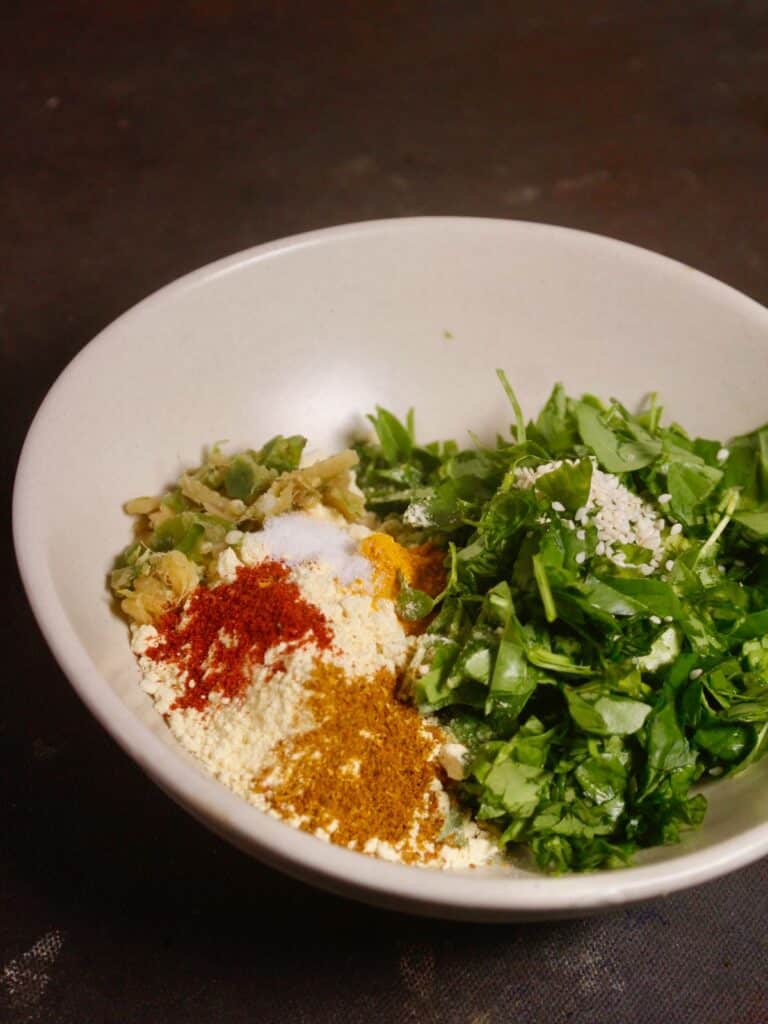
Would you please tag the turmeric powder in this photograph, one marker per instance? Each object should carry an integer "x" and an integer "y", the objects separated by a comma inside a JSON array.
[{"x": 419, "y": 567}]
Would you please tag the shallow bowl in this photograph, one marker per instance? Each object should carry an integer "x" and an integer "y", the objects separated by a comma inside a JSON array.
[{"x": 307, "y": 334}]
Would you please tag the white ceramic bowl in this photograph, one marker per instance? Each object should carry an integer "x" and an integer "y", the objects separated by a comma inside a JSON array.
[{"x": 306, "y": 335}]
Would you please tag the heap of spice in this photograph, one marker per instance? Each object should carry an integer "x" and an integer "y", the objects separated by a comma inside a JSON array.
[
  {"x": 283, "y": 680},
  {"x": 419, "y": 567},
  {"x": 222, "y": 631},
  {"x": 366, "y": 774}
]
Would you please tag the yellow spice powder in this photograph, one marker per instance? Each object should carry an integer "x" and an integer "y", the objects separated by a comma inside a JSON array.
[{"x": 419, "y": 567}]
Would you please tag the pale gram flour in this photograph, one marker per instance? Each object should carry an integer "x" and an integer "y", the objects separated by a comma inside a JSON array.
[{"x": 236, "y": 740}]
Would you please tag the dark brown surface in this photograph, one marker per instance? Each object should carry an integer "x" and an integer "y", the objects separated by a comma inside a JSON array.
[{"x": 140, "y": 140}]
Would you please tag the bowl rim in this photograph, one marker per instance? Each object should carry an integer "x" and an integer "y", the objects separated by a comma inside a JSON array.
[{"x": 470, "y": 895}]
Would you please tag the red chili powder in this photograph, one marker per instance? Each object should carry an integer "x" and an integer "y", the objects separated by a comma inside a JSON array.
[{"x": 222, "y": 631}]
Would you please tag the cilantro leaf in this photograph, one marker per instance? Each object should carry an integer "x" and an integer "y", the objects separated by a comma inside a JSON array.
[{"x": 592, "y": 692}]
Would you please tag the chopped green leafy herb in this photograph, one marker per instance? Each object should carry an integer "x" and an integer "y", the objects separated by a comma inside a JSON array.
[{"x": 602, "y": 644}]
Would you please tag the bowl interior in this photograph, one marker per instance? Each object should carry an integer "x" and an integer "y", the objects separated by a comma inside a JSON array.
[{"x": 306, "y": 336}]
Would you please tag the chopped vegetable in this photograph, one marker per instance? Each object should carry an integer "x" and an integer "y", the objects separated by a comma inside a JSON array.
[
  {"x": 602, "y": 644},
  {"x": 226, "y": 493}
]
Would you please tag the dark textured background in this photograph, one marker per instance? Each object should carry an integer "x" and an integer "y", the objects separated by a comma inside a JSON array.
[{"x": 140, "y": 139}]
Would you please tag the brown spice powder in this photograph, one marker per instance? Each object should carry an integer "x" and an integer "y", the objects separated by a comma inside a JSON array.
[{"x": 365, "y": 766}]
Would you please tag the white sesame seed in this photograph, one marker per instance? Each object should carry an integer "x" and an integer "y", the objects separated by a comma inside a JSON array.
[
  {"x": 664, "y": 499},
  {"x": 669, "y": 618},
  {"x": 618, "y": 515},
  {"x": 655, "y": 620},
  {"x": 696, "y": 673},
  {"x": 722, "y": 455},
  {"x": 721, "y": 568},
  {"x": 581, "y": 558},
  {"x": 675, "y": 529},
  {"x": 669, "y": 565}
]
